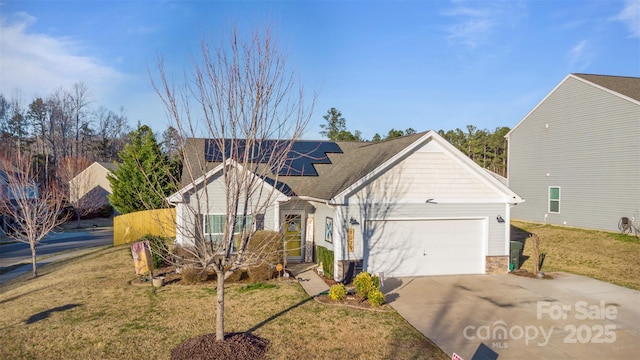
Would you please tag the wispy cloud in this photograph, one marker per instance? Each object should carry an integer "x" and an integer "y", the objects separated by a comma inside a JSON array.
[
  {"x": 630, "y": 15},
  {"x": 475, "y": 21},
  {"x": 39, "y": 63},
  {"x": 580, "y": 56}
]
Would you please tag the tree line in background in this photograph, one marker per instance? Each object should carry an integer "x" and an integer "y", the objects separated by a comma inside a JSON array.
[
  {"x": 49, "y": 141},
  {"x": 63, "y": 134},
  {"x": 59, "y": 127},
  {"x": 487, "y": 148}
]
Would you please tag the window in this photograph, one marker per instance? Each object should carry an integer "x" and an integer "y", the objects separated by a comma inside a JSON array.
[
  {"x": 554, "y": 199},
  {"x": 214, "y": 227}
]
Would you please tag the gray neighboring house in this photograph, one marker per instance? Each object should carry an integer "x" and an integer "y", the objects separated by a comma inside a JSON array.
[
  {"x": 576, "y": 156},
  {"x": 409, "y": 206}
]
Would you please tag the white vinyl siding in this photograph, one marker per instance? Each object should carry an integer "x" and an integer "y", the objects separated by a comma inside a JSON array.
[
  {"x": 586, "y": 141},
  {"x": 428, "y": 173},
  {"x": 322, "y": 212},
  {"x": 212, "y": 200}
]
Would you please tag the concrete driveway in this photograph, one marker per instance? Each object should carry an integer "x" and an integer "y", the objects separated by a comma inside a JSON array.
[{"x": 513, "y": 317}]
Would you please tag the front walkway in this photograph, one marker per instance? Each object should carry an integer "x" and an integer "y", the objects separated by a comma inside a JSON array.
[
  {"x": 310, "y": 281},
  {"x": 570, "y": 317}
]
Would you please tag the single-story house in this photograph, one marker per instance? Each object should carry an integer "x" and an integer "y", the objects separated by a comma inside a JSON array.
[
  {"x": 410, "y": 206},
  {"x": 575, "y": 156},
  {"x": 91, "y": 185}
]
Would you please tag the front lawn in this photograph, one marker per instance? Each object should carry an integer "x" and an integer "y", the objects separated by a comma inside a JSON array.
[
  {"x": 86, "y": 309},
  {"x": 610, "y": 257}
]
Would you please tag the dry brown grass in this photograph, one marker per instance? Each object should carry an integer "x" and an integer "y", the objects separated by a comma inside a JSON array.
[
  {"x": 601, "y": 255},
  {"x": 86, "y": 309}
]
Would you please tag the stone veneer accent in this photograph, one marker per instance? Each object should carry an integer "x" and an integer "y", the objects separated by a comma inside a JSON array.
[{"x": 497, "y": 264}]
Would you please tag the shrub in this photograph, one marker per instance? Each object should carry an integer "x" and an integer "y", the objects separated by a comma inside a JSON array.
[
  {"x": 376, "y": 298},
  {"x": 266, "y": 247},
  {"x": 376, "y": 281},
  {"x": 364, "y": 284},
  {"x": 192, "y": 275},
  {"x": 325, "y": 257},
  {"x": 183, "y": 255},
  {"x": 105, "y": 211},
  {"x": 260, "y": 273},
  {"x": 338, "y": 292},
  {"x": 159, "y": 249},
  {"x": 237, "y": 276}
]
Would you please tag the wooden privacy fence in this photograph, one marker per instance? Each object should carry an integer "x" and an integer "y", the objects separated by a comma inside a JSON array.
[{"x": 130, "y": 227}]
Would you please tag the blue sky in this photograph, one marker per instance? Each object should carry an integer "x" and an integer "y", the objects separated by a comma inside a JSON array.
[{"x": 384, "y": 64}]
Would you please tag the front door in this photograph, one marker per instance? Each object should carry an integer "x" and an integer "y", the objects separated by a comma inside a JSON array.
[{"x": 293, "y": 237}]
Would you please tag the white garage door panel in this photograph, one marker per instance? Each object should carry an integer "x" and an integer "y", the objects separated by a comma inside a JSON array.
[{"x": 427, "y": 247}]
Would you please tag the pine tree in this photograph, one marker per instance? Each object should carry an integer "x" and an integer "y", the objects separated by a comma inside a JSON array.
[
  {"x": 144, "y": 178},
  {"x": 336, "y": 127}
]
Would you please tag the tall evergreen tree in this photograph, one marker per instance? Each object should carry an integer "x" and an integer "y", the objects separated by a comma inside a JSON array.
[
  {"x": 144, "y": 178},
  {"x": 336, "y": 127},
  {"x": 336, "y": 123}
]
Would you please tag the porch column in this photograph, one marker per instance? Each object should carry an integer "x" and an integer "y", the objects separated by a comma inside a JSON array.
[
  {"x": 179, "y": 223},
  {"x": 276, "y": 216}
]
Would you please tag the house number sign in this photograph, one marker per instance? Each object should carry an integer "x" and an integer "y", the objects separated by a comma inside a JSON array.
[{"x": 350, "y": 240}]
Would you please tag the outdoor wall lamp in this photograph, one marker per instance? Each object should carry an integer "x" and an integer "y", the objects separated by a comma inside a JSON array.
[
  {"x": 353, "y": 221},
  {"x": 500, "y": 219}
]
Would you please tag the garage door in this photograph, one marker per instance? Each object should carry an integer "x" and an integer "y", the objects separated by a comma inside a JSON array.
[{"x": 427, "y": 247}]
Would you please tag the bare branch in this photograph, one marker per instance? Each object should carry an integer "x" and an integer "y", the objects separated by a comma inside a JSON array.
[
  {"x": 241, "y": 97},
  {"x": 33, "y": 210}
]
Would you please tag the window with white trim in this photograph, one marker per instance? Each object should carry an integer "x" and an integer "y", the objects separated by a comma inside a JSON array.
[
  {"x": 214, "y": 227},
  {"x": 554, "y": 199}
]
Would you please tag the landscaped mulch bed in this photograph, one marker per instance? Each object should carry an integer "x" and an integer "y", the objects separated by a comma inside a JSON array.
[
  {"x": 329, "y": 282},
  {"x": 352, "y": 301},
  {"x": 172, "y": 277},
  {"x": 236, "y": 346}
]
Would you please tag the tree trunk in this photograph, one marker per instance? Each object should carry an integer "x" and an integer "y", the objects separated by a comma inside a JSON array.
[
  {"x": 220, "y": 305},
  {"x": 77, "y": 217},
  {"x": 34, "y": 264}
]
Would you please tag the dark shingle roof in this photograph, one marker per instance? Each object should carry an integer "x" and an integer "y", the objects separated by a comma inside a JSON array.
[
  {"x": 109, "y": 166},
  {"x": 356, "y": 160},
  {"x": 625, "y": 85}
]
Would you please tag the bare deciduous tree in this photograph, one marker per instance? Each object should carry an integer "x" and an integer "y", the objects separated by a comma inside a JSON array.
[
  {"x": 33, "y": 209},
  {"x": 79, "y": 98},
  {"x": 239, "y": 95}
]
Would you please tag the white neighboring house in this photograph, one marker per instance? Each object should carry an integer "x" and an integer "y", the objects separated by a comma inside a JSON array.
[
  {"x": 576, "y": 156},
  {"x": 409, "y": 206},
  {"x": 92, "y": 184}
]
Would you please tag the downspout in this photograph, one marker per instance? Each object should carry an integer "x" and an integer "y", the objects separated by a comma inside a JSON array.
[{"x": 337, "y": 243}]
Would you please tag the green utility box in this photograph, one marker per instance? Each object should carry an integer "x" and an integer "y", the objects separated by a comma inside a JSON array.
[{"x": 516, "y": 250}]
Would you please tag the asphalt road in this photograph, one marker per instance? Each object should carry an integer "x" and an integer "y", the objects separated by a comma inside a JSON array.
[{"x": 55, "y": 243}]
